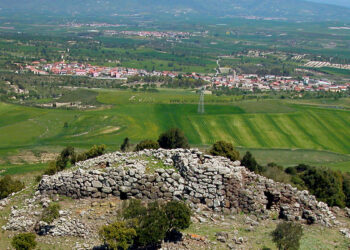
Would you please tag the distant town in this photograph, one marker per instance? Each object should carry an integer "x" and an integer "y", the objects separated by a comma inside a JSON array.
[
  {"x": 224, "y": 77},
  {"x": 155, "y": 34}
]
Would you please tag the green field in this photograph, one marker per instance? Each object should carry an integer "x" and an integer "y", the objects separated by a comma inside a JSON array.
[{"x": 268, "y": 124}]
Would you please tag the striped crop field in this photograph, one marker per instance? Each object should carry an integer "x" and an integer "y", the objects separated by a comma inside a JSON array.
[{"x": 268, "y": 124}]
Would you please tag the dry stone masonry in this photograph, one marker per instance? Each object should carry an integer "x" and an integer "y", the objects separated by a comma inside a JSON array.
[
  {"x": 188, "y": 175},
  {"x": 27, "y": 218}
]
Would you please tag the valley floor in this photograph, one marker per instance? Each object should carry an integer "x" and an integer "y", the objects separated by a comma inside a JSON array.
[{"x": 282, "y": 131}]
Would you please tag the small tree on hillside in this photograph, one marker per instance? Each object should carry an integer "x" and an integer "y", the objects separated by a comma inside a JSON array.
[
  {"x": 287, "y": 235},
  {"x": 226, "y": 149},
  {"x": 179, "y": 215},
  {"x": 153, "y": 226},
  {"x": 126, "y": 145},
  {"x": 173, "y": 138},
  {"x": 67, "y": 155},
  {"x": 249, "y": 162}
]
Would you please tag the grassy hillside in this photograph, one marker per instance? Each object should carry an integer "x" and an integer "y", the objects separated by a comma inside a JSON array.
[{"x": 248, "y": 124}]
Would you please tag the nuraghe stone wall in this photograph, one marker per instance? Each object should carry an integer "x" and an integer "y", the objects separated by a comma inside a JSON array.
[{"x": 188, "y": 175}]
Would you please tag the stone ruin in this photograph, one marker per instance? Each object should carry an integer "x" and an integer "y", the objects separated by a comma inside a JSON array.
[{"x": 190, "y": 175}]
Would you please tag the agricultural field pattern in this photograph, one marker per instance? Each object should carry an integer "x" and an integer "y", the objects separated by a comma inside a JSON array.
[{"x": 262, "y": 124}]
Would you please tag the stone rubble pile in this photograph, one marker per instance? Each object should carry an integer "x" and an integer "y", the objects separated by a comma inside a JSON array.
[
  {"x": 24, "y": 218},
  {"x": 7, "y": 200},
  {"x": 19, "y": 221},
  {"x": 67, "y": 226},
  {"x": 345, "y": 232},
  {"x": 4, "y": 202},
  {"x": 190, "y": 175},
  {"x": 27, "y": 218}
]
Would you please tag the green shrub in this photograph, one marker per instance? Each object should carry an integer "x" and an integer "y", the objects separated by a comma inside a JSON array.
[
  {"x": 173, "y": 138},
  {"x": 61, "y": 163},
  {"x": 125, "y": 145},
  {"x": 68, "y": 153},
  {"x": 38, "y": 178},
  {"x": 325, "y": 184},
  {"x": 249, "y": 162},
  {"x": 51, "y": 213},
  {"x": 134, "y": 210},
  {"x": 81, "y": 157},
  {"x": 153, "y": 222},
  {"x": 298, "y": 182},
  {"x": 291, "y": 170},
  {"x": 52, "y": 169},
  {"x": 147, "y": 144},
  {"x": 179, "y": 215},
  {"x": 287, "y": 235},
  {"x": 95, "y": 151},
  {"x": 24, "y": 241},
  {"x": 346, "y": 189},
  {"x": 302, "y": 168},
  {"x": 8, "y": 186},
  {"x": 226, "y": 149},
  {"x": 276, "y": 173},
  {"x": 153, "y": 226},
  {"x": 66, "y": 156},
  {"x": 117, "y": 235}
]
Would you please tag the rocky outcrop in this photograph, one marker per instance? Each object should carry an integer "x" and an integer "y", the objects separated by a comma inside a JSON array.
[{"x": 188, "y": 175}]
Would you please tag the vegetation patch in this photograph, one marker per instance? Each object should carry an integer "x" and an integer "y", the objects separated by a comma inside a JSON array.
[
  {"x": 147, "y": 225},
  {"x": 51, "y": 213},
  {"x": 154, "y": 164},
  {"x": 8, "y": 185},
  {"x": 24, "y": 241}
]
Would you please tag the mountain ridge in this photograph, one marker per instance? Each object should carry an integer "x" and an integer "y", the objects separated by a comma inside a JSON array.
[
  {"x": 345, "y": 3},
  {"x": 282, "y": 9}
]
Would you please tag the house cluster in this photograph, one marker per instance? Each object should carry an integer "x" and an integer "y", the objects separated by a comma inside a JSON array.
[
  {"x": 156, "y": 34},
  {"x": 247, "y": 82},
  {"x": 96, "y": 25},
  {"x": 252, "y": 82},
  {"x": 80, "y": 69}
]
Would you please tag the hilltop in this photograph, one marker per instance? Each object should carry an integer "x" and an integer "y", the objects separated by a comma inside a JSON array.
[
  {"x": 281, "y": 9},
  {"x": 233, "y": 208}
]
